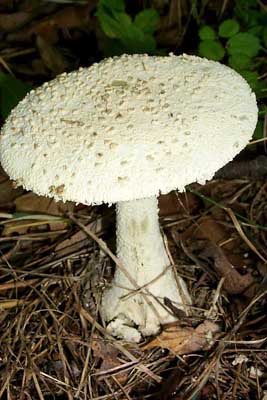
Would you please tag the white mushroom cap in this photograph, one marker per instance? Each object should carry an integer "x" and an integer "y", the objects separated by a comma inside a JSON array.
[{"x": 128, "y": 128}]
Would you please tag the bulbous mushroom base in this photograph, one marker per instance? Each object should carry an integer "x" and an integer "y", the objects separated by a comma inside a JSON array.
[{"x": 134, "y": 305}]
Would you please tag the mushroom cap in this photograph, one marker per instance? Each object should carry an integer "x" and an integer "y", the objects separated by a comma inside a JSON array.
[{"x": 127, "y": 128}]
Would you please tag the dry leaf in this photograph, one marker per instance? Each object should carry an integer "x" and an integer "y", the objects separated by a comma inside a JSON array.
[
  {"x": 74, "y": 243},
  {"x": 208, "y": 228},
  {"x": 25, "y": 13},
  {"x": 186, "y": 340},
  {"x": 109, "y": 356},
  {"x": 48, "y": 27},
  {"x": 34, "y": 68},
  {"x": 16, "y": 228},
  {"x": 234, "y": 282},
  {"x": 173, "y": 203},
  {"x": 7, "y": 191},
  {"x": 51, "y": 56},
  {"x": 78, "y": 239},
  {"x": 12, "y": 303},
  {"x": 10, "y": 22},
  {"x": 31, "y": 203}
]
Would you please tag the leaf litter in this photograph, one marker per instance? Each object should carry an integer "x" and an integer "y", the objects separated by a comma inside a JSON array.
[{"x": 54, "y": 342}]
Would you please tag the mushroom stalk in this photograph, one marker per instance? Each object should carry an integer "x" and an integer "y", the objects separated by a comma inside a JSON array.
[{"x": 138, "y": 308}]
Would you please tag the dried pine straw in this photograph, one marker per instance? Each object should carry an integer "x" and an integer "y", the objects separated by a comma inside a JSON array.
[{"x": 53, "y": 343}]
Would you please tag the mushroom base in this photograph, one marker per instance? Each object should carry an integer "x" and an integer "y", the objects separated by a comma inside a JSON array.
[{"x": 133, "y": 306}]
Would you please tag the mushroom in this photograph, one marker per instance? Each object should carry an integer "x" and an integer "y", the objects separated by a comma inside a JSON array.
[{"x": 123, "y": 131}]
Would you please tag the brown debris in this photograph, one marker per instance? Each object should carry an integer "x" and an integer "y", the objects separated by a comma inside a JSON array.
[
  {"x": 208, "y": 227},
  {"x": 11, "y": 22},
  {"x": 73, "y": 243},
  {"x": 186, "y": 340},
  {"x": 48, "y": 27},
  {"x": 42, "y": 319},
  {"x": 234, "y": 282},
  {"x": 79, "y": 239},
  {"x": 252, "y": 169},
  {"x": 32, "y": 203},
  {"x": 7, "y": 191},
  {"x": 110, "y": 360},
  {"x": 177, "y": 203},
  {"x": 51, "y": 56}
]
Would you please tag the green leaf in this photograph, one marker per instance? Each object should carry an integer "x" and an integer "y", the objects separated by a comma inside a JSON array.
[
  {"x": 247, "y": 12},
  {"x": 149, "y": 45},
  {"x": 147, "y": 20},
  {"x": 263, "y": 18},
  {"x": 251, "y": 78},
  {"x": 131, "y": 37},
  {"x": 112, "y": 17},
  {"x": 111, "y": 47},
  {"x": 228, "y": 28},
  {"x": 207, "y": 33},
  {"x": 133, "y": 41},
  {"x": 114, "y": 25},
  {"x": 244, "y": 43},
  {"x": 240, "y": 62},
  {"x": 256, "y": 30},
  {"x": 258, "y": 133},
  {"x": 211, "y": 49},
  {"x": 136, "y": 41},
  {"x": 12, "y": 91},
  {"x": 264, "y": 36},
  {"x": 112, "y": 6}
]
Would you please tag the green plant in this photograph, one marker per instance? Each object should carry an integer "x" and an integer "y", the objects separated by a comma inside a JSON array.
[
  {"x": 241, "y": 42},
  {"x": 124, "y": 33},
  {"x": 239, "y": 49},
  {"x": 250, "y": 14},
  {"x": 12, "y": 91}
]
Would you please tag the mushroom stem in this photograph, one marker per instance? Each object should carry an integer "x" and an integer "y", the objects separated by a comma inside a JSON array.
[{"x": 134, "y": 309}]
